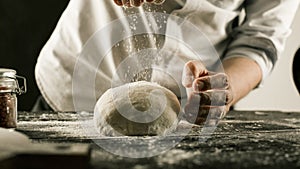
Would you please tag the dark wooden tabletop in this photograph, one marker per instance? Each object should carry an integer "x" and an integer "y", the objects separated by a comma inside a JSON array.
[{"x": 244, "y": 139}]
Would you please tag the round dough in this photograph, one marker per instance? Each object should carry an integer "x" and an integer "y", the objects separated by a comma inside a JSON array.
[{"x": 136, "y": 109}]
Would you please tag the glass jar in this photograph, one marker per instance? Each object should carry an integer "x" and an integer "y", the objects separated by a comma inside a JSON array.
[{"x": 9, "y": 88}]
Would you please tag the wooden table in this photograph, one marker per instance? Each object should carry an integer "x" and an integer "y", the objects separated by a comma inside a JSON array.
[{"x": 244, "y": 139}]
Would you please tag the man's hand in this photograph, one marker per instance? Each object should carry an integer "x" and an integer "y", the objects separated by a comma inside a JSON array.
[
  {"x": 209, "y": 94},
  {"x": 135, "y": 3}
]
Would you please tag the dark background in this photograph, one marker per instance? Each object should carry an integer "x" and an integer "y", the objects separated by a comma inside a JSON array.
[{"x": 25, "y": 26}]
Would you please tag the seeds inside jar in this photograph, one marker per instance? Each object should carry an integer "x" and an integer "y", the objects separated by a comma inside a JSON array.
[{"x": 8, "y": 110}]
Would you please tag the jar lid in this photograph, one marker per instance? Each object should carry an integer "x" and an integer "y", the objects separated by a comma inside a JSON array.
[
  {"x": 7, "y": 73},
  {"x": 9, "y": 81}
]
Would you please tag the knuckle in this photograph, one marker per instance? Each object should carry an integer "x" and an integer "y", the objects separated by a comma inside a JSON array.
[{"x": 219, "y": 80}]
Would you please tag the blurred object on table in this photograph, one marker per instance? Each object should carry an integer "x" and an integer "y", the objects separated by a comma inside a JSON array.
[{"x": 296, "y": 70}]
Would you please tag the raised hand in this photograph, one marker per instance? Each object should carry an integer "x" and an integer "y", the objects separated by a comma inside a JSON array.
[{"x": 209, "y": 94}]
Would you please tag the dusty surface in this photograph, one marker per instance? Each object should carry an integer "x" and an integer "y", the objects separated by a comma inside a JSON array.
[{"x": 242, "y": 140}]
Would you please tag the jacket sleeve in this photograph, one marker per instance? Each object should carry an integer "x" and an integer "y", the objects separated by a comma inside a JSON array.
[{"x": 262, "y": 34}]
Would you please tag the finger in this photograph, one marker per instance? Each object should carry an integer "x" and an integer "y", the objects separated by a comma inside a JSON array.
[
  {"x": 191, "y": 114},
  {"x": 216, "y": 113},
  {"x": 215, "y": 97},
  {"x": 217, "y": 81},
  {"x": 212, "y": 112},
  {"x": 211, "y": 98},
  {"x": 191, "y": 71},
  {"x": 126, "y": 3},
  {"x": 194, "y": 99},
  {"x": 191, "y": 109},
  {"x": 196, "y": 114},
  {"x": 118, "y": 2},
  {"x": 136, "y": 3},
  {"x": 208, "y": 115}
]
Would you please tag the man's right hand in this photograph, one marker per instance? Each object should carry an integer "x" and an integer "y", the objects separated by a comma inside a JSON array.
[{"x": 209, "y": 94}]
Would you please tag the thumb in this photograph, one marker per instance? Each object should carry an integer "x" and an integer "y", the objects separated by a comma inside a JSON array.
[{"x": 192, "y": 70}]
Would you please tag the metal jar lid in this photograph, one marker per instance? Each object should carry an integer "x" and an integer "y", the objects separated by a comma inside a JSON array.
[{"x": 9, "y": 81}]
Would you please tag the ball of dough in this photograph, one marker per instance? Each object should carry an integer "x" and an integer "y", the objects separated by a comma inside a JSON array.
[{"x": 137, "y": 109}]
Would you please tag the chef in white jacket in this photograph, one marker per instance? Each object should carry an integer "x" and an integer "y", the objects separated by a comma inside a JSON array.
[{"x": 247, "y": 35}]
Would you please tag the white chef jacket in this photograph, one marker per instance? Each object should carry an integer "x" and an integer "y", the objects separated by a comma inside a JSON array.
[{"x": 256, "y": 29}]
